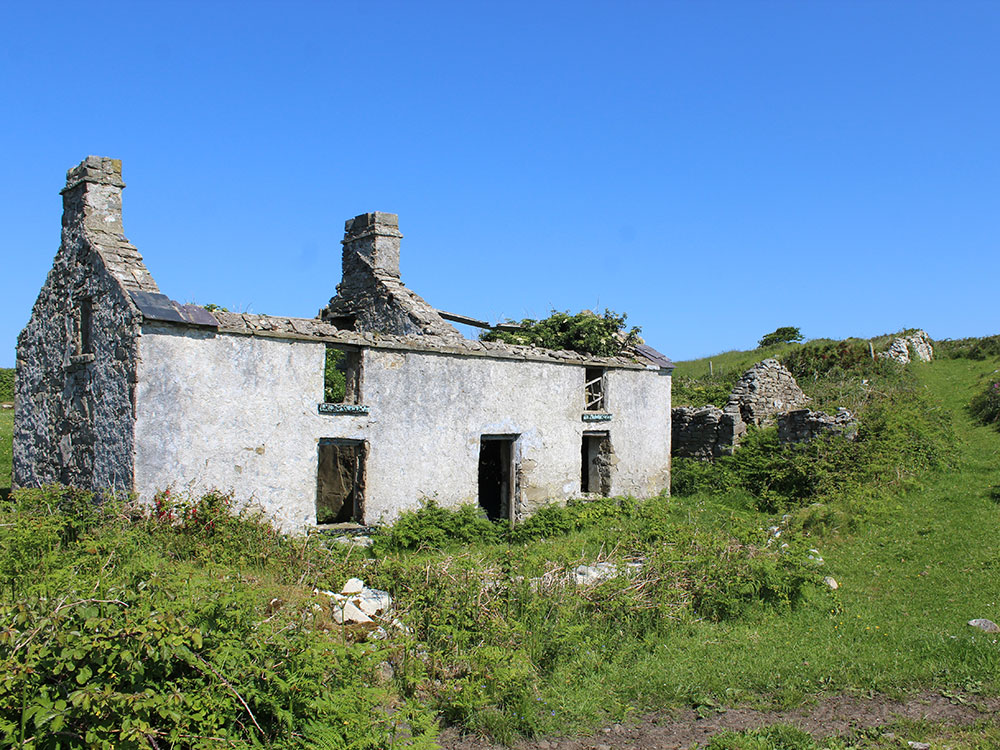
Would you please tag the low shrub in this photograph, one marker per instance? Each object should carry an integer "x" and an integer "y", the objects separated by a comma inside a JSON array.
[
  {"x": 774, "y": 737},
  {"x": 977, "y": 348},
  {"x": 434, "y": 527},
  {"x": 6, "y": 383},
  {"x": 814, "y": 359},
  {"x": 985, "y": 406}
]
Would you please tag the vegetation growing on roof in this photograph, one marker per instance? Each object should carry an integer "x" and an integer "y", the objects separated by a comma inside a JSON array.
[{"x": 585, "y": 332}]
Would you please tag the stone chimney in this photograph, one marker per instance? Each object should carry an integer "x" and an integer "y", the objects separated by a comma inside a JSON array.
[
  {"x": 92, "y": 198},
  {"x": 371, "y": 245},
  {"x": 370, "y": 296}
]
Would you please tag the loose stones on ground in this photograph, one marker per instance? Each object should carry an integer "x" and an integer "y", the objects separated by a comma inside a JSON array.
[{"x": 356, "y": 604}]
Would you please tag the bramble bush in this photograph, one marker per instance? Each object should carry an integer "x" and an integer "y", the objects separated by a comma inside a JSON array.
[
  {"x": 815, "y": 359},
  {"x": 177, "y": 625},
  {"x": 434, "y": 527},
  {"x": 586, "y": 332}
]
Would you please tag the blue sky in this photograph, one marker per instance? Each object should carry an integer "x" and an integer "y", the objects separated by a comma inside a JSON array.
[{"x": 714, "y": 169}]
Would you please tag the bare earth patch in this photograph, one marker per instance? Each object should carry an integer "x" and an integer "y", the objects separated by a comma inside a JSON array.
[{"x": 683, "y": 728}]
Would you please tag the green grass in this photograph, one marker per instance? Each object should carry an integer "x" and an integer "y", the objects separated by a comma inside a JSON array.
[
  {"x": 492, "y": 652},
  {"x": 734, "y": 361},
  {"x": 6, "y": 437}
]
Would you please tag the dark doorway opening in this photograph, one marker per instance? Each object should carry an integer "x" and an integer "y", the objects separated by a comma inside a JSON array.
[
  {"x": 340, "y": 481},
  {"x": 496, "y": 476},
  {"x": 596, "y": 462}
]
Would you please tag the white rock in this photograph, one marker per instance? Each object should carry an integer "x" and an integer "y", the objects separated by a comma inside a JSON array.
[
  {"x": 588, "y": 575},
  {"x": 831, "y": 582},
  {"x": 987, "y": 626},
  {"x": 353, "y": 586},
  {"x": 348, "y": 613},
  {"x": 373, "y": 602}
]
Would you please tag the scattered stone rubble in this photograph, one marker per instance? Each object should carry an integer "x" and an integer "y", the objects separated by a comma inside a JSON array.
[
  {"x": 591, "y": 575},
  {"x": 356, "y": 604},
  {"x": 918, "y": 344},
  {"x": 802, "y": 425}
]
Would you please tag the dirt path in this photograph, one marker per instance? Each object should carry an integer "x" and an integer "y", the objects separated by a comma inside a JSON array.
[{"x": 835, "y": 715}]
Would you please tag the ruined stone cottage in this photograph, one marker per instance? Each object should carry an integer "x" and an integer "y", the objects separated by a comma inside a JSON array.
[{"x": 119, "y": 388}]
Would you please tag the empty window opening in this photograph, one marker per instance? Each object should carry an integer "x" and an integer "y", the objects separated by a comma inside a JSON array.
[
  {"x": 497, "y": 476},
  {"x": 594, "y": 389},
  {"x": 84, "y": 314},
  {"x": 340, "y": 481},
  {"x": 342, "y": 376},
  {"x": 597, "y": 463}
]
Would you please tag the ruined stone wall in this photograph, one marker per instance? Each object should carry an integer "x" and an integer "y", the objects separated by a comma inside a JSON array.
[
  {"x": 766, "y": 389},
  {"x": 803, "y": 425},
  {"x": 74, "y": 402},
  {"x": 763, "y": 391},
  {"x": 238, "y": 412},
  {"x": 705, "y": 432}
]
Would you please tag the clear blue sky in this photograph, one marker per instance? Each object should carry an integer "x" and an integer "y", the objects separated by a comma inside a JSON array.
[{"x": 714, "y": 169}]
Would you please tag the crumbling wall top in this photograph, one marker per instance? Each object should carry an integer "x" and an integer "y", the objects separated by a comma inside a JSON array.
[{"x": 99, "y": 170}]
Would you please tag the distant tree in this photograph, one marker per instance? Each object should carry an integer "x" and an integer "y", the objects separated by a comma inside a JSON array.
[
  {"x": 586, "y": 332},
  {"x": 784, "y": 335}
]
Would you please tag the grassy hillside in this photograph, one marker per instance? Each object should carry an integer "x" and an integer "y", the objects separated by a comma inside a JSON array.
[
  {"x": 6, "y": 434},
  {"x": 709, "y": 380},
  {"x": 228, "y": 642},
  {"x": 6, "y": 384}
]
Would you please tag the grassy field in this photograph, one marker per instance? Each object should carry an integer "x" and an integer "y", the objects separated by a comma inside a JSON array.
[{"x": 494, "y": 653}]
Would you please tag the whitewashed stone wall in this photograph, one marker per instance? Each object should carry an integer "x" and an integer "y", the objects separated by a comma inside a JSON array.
[{"x": 235, "y": 412}]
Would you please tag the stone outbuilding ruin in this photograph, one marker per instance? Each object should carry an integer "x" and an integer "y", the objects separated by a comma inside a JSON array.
[
  {"x": 121, "y": 389},
  {"x": 763, "y": 392}
]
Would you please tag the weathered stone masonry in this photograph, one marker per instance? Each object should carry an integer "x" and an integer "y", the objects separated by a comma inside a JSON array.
[
  {"x": 76, "y": 358},
  {"x": 121, "y": 388},
  {"x": 765, "y": 390}
]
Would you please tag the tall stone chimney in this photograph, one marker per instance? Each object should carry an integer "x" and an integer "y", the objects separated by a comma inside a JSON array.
[
  {"x": 371, "y": 244},
  {"x": 371, "y": 296},
  {"x": 92, "y": 220},
  {"x": 92, "y": 198}
]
